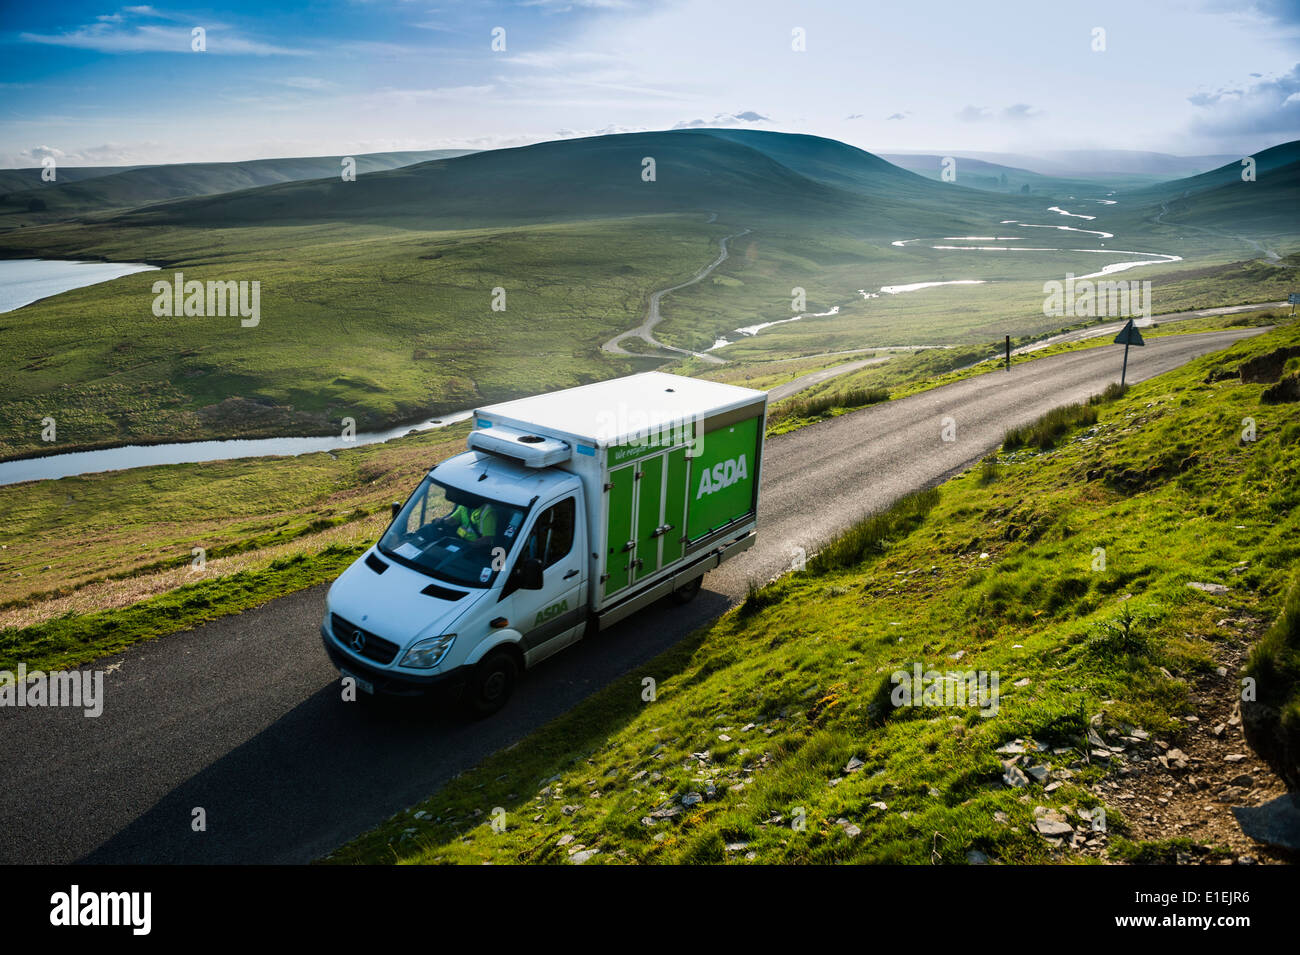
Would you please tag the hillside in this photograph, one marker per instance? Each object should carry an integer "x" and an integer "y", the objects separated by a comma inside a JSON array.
[
  {"x": 771, "y": 175},
  {"x": 79, "y": 191},
  {"x": 834, "y": 163},
  {"x": 1114, "y": 571},
  {"x": 1276, "y": 159},
  {"x": 29, "y": 178},
  {"x": 1221, "y": 199}
]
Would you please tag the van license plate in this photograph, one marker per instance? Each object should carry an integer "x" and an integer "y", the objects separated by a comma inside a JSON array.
[{"x": 365, "y": 686}]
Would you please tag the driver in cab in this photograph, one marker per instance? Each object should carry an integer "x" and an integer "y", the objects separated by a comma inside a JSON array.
[{"x": 476, "y": 526}]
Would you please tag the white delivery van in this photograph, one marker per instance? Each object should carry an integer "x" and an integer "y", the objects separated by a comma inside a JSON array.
[{"x": 569, "y": 511}]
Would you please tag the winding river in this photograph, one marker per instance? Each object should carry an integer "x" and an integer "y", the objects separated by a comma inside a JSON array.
[
  {"x": 1150, "y": 258},
  {"x": 70, "y": 463}
]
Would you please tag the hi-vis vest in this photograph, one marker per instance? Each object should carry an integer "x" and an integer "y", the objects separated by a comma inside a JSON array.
[{"x": 469, "y": 522}]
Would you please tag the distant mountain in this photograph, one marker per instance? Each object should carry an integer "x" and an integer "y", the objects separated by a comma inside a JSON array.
[
  {"x": 995, "y": 177},
  {"x": 741, "y": 173},
  {"x": 832, "y": 162},
  {"x": 20, "y": 180},
  {"x": 85, "y": 190},
  {"x": 1106, "y": 163}
]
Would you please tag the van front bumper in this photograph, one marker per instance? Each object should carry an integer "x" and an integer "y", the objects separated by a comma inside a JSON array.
[{"x": 447, "y": 685}]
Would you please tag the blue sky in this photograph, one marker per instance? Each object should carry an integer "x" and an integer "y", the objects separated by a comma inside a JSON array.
[{"x": 94, "y": 83}]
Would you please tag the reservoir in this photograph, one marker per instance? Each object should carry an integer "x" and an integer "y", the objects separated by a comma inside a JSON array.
[{"x": 23, "y": 281}]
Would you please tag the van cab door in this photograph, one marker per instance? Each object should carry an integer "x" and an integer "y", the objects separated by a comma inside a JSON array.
[{"x": 554, "y": 616}]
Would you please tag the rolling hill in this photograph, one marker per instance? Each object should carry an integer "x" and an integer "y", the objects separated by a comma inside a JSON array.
[
  {"x": 85, "y": 190},
  {"x": 1221, "y": 200},
  {"x": 29, "y": 177},
  {"x": 735, "y": 173}
]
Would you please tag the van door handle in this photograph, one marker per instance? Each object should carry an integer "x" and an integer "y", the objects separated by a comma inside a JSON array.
[{"x": 572, "y": 573}]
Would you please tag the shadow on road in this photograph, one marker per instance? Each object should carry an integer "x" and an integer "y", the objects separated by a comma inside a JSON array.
[{"x": 327, "y": 770}]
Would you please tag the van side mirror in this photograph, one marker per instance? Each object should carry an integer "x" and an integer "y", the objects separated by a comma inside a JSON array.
[
  {"x": 397, "y": 508},
  {"x": 528, "y": 574}
]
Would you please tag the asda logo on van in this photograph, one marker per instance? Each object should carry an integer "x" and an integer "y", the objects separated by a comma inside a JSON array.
[
  {"x": 551, "y": 612},
  {"x": 722, "y": 475}
]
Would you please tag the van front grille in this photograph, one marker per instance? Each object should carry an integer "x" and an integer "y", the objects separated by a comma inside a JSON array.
[{"x": 372, "y": 647}]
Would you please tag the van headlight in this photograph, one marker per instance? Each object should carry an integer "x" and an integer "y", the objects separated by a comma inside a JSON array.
[{"x": 428, "y": 653}]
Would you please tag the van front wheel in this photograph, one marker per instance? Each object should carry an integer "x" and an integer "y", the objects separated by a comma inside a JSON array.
[
  {"x": 684, "y": 595},
  {"x": 493, "y": 682}
]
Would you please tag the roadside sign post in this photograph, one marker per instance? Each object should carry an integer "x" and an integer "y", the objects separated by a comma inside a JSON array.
[
  {"x": 1128, "y": 335},
  {"x": 1293, "y": 299},
  {"x": 1008, "y": 353}
]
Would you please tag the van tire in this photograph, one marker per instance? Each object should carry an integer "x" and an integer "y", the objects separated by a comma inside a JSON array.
[
  {"x": 684, "y": 595},
  {"x": 492, "y": 684}
]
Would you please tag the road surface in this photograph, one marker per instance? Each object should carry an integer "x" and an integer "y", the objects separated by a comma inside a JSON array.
[
  {"x": 242, "y": 717},
  {"x": 1113, "y": 328}
]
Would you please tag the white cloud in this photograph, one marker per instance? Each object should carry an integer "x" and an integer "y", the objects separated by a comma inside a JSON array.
[
  {"x": 307, "y": 82},
  {"x": 1019, "y": 111},
  {"x": 980, "y": 114},
  {"x": 393, "y": 96},
  {"x": 112, "y": 33},
  {"x": 724, "y": 119},
  {"x": 1267, "y": 107},
  {"x": 565, "y": 6},
  {"x": 562, "y": 59},
  {"x": 106, "y": 154}
]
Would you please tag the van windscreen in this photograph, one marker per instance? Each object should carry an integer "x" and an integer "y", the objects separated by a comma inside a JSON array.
[{"x": 453, "y": 534}]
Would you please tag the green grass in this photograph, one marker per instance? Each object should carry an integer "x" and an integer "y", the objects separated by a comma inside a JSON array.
[
  {"x": 970, "y": 315},
  {"x": 1275, "y": 666},
  {"x": 797, "y": 412},
  {"x": 870, "y": 536},
  {"x": 1051, "y": 427},
  {"x": 1166, "y": 851},
  {"x": 267, "y": 527},
  {"x": 73, "y": 639},
  {"x": 1006, "y": 573},
  {"x": 989, "y": 470}
]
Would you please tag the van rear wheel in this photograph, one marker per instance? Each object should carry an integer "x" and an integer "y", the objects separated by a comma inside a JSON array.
[
  {"x": 684, "y": 595},
  {"x": 493, "y": 682}
]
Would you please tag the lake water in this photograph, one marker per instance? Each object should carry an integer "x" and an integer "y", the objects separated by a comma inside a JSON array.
[{"x": 23, "y": 281}]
